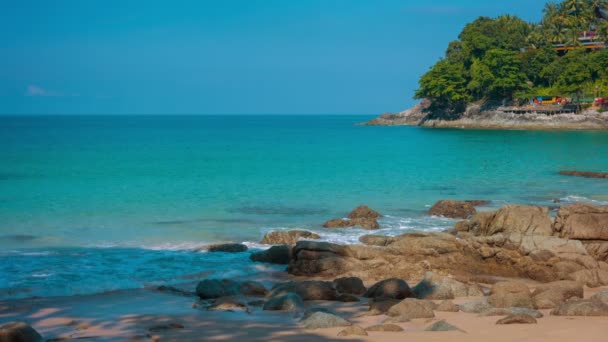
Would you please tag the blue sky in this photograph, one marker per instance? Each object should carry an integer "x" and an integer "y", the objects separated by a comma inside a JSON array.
[{"x": 226, "y": 56}]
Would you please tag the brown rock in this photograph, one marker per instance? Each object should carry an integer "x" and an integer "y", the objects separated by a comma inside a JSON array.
[
  {"x": 288, "y": 237},
  {"x": 601, "y": 296},
  {"x": 381, "y": 306},
  {"x": 411, "y": 308},
  {"x": 252, "y": 288},
  {"x": 522, "y": 219},
  {"x": 434, "y": 286},
  {"x": 385, "y": 327},
  {"x": 510, "y": 294},
  {"x": 353, "y": 330},
  {"x": 389, "y": 288},
  {"x": 18, "y": 332},
  {"x": 511, "y": 311},
  {"x": 287, "y": 302},
  {"x": 338, "y": 223},
  {"x": 452, "y": 209},
  {"x": 447, "y": 306},
  {"x": 347, "y": 298},
  {"x": 582, "y": 222},
  {"x": 551, "y": 295},
  {"x": 376, "y": 240},
  {"x": 279, "y": 254},
  {"x": 351, "y": 285},
  {"x": 228, "y": 304},
  {"x": 517, "y": 319},
  {"x": 442, "y": 326},
  {"x": 322, "y": 320},
  {"x": 478, "y": 203},
  {"x": 581, "y": 308},
  {"x": 597, "y": 249},
  {"x": 363, "y": 211}
]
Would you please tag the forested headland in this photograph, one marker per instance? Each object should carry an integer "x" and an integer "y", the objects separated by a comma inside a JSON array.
[{"x": 508, "y": 60}]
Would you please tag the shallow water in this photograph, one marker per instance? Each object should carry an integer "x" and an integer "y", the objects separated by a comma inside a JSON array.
[{"x": 131, "y": 187}]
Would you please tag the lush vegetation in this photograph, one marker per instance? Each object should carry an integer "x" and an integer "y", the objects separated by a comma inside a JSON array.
[{"x": 506, "y": 58}]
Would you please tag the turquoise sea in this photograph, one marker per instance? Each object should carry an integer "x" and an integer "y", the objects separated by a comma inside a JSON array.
[{"x": 98, "y": 203}]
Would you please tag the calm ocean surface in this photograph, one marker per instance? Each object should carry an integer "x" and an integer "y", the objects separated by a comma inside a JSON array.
[{"x": 97, "y": 203}]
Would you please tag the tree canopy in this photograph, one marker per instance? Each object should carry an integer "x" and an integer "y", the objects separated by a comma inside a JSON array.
[{"x": 509, "y": 58}]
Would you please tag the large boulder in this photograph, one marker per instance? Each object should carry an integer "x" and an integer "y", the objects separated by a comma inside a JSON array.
[
  {"x": 521, "y": 219},
  {"x": 350, "y": 285},
  {"x": 510, "y": 294},
  {"x": 551, "y": 295},
  {"x": 227, "y": 248},
  {"x": 321, "y": 320},
  {"x": 307, "y": 290},
  {"x": 280, "y": 254},
  {"x": 286, "y": 302},
  {"x": 216, "y": 288},
  {"x": 364, "y": 211},
  {"x": 411, "y": 308},
  {"x": 18, "y": 332},
  {"x": 581, "y": 308},
  {"x": 582, "y": 222},
  {"x": 447, "y": 306},
  {"x": 288, "y": 237},
  {"x": 389, "y": 288},
  {"x": 452, "y": 209}
]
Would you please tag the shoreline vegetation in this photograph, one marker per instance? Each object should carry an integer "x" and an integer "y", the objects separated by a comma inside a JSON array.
[
  {"x": 518, "y": 269},
  {"x": 507, "y": 73}
]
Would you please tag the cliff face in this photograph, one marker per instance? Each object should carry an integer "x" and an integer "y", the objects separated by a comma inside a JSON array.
[{"x": 476, "y": 117}]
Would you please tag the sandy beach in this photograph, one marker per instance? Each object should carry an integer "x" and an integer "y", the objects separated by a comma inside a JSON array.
[{"x": 148, "y": 315}]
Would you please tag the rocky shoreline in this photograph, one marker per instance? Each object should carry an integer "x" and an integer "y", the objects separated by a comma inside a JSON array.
[
  {"x": 514, "y": 266},
  {"x": 478, "y": 117}
]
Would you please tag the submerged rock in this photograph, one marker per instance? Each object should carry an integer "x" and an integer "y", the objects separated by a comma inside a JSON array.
[
  {"x": 585, "y": 174},
  {"x": 227, "y": 248},
  {"x": 288, "y": 237},
  {"x": 18, "y": 332},
  {"x": 216, "y": 288},
  {"x": 452, "y": 209}
]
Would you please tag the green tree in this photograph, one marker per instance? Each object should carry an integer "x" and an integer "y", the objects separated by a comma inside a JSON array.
[
  {"x": 506, "y": 69},
  {"x": 445, "y": 85}
]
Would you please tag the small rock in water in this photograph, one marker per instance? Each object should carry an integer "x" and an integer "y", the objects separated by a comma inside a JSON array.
[
  {"x": 347, "y": 298},
  {"x": 452, "y": 209},
  {"x": 19, "y": 332},
  {"x": 321, "y": 320},
  {"x": 227, "y": 248},
  {"x": 585, "y": 174},
  {"x": 288, "y": 237},
  {"x": 517, "y": 319},
  {"x": 353, "y": 330},
  {"x": 228, "y": 304},
  {"x": 363, "y": 211},
  {"x": 385, "y": 327},
  {"x": 280, "y": 255},
  {"x": 442, "y": 326}
]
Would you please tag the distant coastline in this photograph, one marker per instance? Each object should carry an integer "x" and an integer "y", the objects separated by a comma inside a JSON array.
[{"x": 477, "y": 116}]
